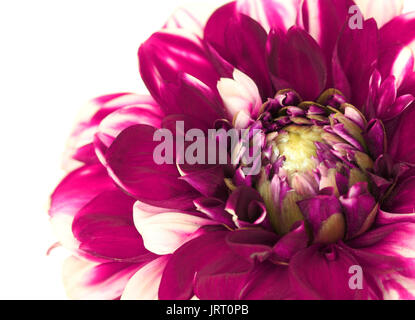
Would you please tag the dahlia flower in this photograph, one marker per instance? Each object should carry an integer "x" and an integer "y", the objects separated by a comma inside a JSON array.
[{"x": 334, "y": 192}]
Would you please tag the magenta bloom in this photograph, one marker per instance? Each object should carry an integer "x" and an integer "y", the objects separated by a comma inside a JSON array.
[{"x": 334, "y": 193}]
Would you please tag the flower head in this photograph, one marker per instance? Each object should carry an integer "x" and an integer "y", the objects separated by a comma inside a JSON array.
[{"x": 329, "y": 109}]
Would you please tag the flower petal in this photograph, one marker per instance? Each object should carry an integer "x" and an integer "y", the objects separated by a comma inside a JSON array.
[
  {"x": 400, "y": 144},
  {"x": 382, "y": 10},
  {"x": 294, "y": 241},
  {"x": 144, "y": 284},
  {"x": 268, "y": 282},
  {"x": 387, "y": 254},
  {"x": 240, "y": 94},
  {"x": 86, "y": 280},
  {"x": 80, "y": 145},
  {"x": 355, "y": 53},
  {"x": 207, "y": 263},
  {"x": 105, "y": 229},
  {"x": 359, "y": 208},
  {"x": 170, "y": 52},
  {"x": 323, "y": 273},
  {"x": 131, "y": 164},
  {"x": 324, "y": 215},
  {"x": 165, "y": 232},
  {"x": 297, "y": 59},
  {"x": 399, "y": 31},
  {"x": 76, "y": 190},
  {"x": 277, "y": 14},
  {"x": 323, "y": 20},
  {"x": 241, "y": 41},
  {"x": 402, "y": 199}
]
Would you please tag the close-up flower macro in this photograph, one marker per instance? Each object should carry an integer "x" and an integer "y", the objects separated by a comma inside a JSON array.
[{"x": 270, "y": 157}]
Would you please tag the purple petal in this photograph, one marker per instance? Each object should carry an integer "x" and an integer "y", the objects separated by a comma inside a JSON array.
[
  {"x": 323, "y": 213},
  {"x": 397, "y": 61},
  {"x": 144, "y": 284},
  {"x": 294, "y": 241},
  {"x": 105, "y": 229},
  {"x": 215, "y": 210},
  {"x": 252, "y": 244},
  {"x": 297, "y": 53},
  {"x": 121, "y": 119},
  {"x": 241, "y": 41},
  {"x": 268, "y": 282},
  {"x": 382, "y": 10},
  {"x": 400, "y": 144},
  {"x": 323, "y": 20},
  {"x": 243, "y": 204},
  {"x": 167, "y": 53},
  {"x": 75, "y": 191},
  {"x": 387, "y": 253},
  {"x": 164, "y": 232},
  {"x": 80, "y": 144},
  {"x": 189, "y": 96},
  {"x": 206, "y": 266},
  {"x": 86, "y": 280},
  {"x": 209, "y": 182},
  {"x": 323, "y": 273},
  {"x": 131, "y": 164},
  {"x": 402, "y": 199},
  {"x": 385, "y": 217},
  {"x": 356, "y": 51},
  {"x": 399, "y": 31},
  {"x": 359, "y": 208},
  {"x": 277, "y": 14},
  {"x": 376, "y": 138}
]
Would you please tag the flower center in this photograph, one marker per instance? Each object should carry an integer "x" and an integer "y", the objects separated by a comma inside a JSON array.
[
  {"x": 297, "y": 145},
  {"x": 314, "y": 166}
]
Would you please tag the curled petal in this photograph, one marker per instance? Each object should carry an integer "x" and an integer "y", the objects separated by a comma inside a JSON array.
[
  {"x": 240, "y": 94},
  {"x": 244, "y": 204}
]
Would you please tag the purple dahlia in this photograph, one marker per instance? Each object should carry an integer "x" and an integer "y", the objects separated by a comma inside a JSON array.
[{"x": 330, "y": 212}]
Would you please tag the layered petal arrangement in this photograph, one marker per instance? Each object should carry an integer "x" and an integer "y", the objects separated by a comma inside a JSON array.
[{"x": 324, "y": 91}]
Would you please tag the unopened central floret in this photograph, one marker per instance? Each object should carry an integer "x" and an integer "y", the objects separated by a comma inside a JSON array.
[{"x": 297, "y": 145}]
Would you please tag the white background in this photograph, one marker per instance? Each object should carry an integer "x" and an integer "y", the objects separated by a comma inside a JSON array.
[{"x": 54, "y": 56}]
